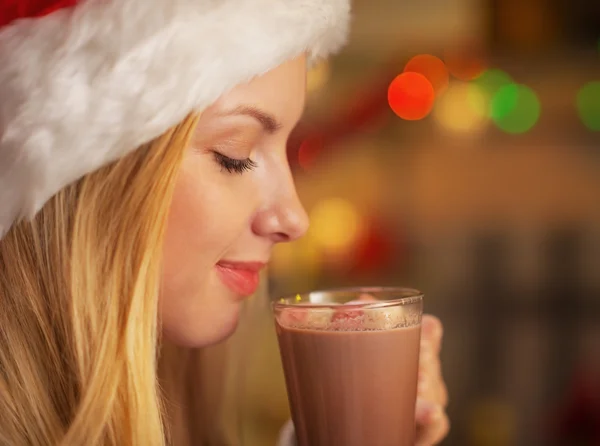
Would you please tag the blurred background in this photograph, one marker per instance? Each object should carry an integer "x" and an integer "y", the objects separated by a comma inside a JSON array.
[{"x": 454, "y": 147}]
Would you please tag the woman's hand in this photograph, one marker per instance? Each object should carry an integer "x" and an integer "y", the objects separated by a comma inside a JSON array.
[{"x": 432, "y": 421}]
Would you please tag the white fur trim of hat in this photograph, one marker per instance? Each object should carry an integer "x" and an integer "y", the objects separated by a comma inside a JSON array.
[{"x": 88, "y": 83}]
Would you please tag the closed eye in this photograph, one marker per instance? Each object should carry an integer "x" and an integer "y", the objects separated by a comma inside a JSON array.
[{"x": 234, "y": 165}]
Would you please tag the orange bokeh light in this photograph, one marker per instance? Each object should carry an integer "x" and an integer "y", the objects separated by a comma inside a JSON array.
[
  {"x": 411, "y": 96},
  {"x": 433, "y": 68},
  {"x": 465, "y": 65}
]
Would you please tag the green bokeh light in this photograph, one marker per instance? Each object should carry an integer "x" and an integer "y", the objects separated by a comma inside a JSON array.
[
  {"x": 493, "y": 80},
  {"x": 487, "y": 85},
  {"x": 588, "y": 105},
  {"x": 515, "y": 108}
]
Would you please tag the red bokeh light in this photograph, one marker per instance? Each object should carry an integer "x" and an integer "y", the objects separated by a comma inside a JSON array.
[
  {"x": 309, "y": 151},
  {"x": 411, "y": 96},
  {"x": 433, "y": 68}
]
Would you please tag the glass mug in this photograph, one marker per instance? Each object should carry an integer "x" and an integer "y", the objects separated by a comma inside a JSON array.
[{"x": 351, "y": 360}]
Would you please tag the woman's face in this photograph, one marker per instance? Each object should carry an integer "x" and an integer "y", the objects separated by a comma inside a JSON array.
[{"x": 234, "y": 200}]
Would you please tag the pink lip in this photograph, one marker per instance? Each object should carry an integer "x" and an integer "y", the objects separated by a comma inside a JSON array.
[{"x": 240, "y": 277}]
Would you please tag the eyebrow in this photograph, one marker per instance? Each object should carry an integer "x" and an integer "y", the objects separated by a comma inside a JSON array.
[{"x": 266, "y": 120}]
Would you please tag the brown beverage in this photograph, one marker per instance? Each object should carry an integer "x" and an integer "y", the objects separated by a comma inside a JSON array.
[{"x": 351, "y": 383}]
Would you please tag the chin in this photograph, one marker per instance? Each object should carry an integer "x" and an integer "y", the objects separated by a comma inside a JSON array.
[{"x": 199, "y": 332}]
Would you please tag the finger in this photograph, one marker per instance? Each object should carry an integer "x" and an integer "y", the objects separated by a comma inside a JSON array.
[
  {"x": 432, "y": 330},
  {"x": 427, "y": 371},
  {"x": 424, "y": 411},
  {"x": 429, "y": 360},
  {"x": 425, "y": 388},
  {"x": 431, "y": 383},
  {"x": 442, "y": 393},
  {"x": 433, "y": 424},
  {"x": 432, "y": 388}
]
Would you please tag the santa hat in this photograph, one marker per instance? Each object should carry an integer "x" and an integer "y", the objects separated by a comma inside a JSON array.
[{"x": 85, "y": 82}]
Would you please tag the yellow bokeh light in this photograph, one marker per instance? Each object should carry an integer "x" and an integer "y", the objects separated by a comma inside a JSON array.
[
  {"x": 335, "y": 224},
  {"x": 463, "y": 108},
  {"x": 300, "y": 257},
  {"x": 318, "y": 76},
  {"x": 283, "y": 260}
]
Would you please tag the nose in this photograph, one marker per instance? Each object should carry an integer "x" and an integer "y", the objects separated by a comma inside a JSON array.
[{"x": 285, "y": 220}]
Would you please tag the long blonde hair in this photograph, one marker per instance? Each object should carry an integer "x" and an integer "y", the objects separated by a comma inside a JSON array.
[{"x": 78, "y": 306}]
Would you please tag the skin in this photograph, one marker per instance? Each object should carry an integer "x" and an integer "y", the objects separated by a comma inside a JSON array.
[{"x": 221, "y": 215}]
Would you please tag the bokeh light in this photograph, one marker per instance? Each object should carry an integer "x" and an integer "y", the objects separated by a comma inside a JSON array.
[
  {"x": 464, "y": 65},
  {"x": 588, "y": 105},
  {"x": 300, "y": 260},
  {"x": 309, "y": 151},
  {"x": 488, "y": 84},
  {"x": 335, "y": 224},
  {"x": 515, "y": 108},
  {"x": 462, "y": 109},
  {"x": 411, "y": 96},
  {"x": 433, "y": 68},
  {"x": 318, "y": 76}
]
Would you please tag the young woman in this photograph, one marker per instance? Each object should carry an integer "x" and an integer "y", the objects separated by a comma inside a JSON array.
[{"x": 143, "y": 184}]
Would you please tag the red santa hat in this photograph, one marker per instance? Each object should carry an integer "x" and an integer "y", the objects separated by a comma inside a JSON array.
[{"x": 85, "y": 82}]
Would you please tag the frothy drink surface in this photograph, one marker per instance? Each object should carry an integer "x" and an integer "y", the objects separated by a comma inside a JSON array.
[{"x": 351, "y": 388}]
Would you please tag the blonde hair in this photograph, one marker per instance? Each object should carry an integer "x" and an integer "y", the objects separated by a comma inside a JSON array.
[{"x": 78, "y": 306}]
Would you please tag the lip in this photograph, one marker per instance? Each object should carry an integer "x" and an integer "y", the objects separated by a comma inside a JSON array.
[{"x": 240, "y": 277}]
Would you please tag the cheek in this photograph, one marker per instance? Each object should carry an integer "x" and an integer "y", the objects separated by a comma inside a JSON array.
[
  {"x": 195, "y": 308},
  {"x": 207, "y": 217}
]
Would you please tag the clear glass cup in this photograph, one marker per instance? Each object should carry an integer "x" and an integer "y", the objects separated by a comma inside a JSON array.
[{"x": 351, "y": 359}]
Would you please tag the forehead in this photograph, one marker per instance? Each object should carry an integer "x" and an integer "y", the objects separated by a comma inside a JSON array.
[{"x": 280, "y": 92}]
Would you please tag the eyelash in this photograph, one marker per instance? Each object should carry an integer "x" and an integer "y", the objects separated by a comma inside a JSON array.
[{"x": 233, "y": 165}]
